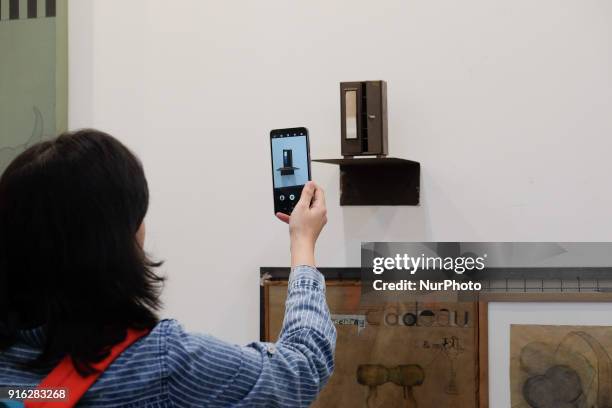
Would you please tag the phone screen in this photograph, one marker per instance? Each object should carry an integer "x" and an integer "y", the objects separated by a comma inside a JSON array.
[{"x": 290, "y": 166}]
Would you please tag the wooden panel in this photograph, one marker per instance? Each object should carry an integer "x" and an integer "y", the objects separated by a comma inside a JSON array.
[{"x": 398, "y": 340}]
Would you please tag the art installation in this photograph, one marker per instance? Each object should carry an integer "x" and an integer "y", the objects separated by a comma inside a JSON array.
[
  {"x": 414, "y": 355},
  {"x": 363, "y": 120},
  {"x": 33, "y": 45},
  {"x": 561, "y": 366}
]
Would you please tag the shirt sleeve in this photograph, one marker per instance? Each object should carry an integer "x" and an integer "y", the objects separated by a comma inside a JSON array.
[{"x": 204, "y": 371}]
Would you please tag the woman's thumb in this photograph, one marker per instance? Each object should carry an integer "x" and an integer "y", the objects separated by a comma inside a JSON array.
[{"x": 307, "y": 194}]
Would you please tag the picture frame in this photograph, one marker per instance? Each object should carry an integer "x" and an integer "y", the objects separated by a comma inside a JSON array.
[
  {"x": 498, "y": 312},
  {"x": 389, "y": 353}
]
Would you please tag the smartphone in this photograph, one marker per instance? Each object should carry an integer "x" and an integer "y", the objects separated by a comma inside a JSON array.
[{"x": 290, "y": 150}]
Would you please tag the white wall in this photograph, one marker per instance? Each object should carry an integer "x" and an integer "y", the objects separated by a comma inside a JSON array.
[{"x": 507, "y": 105}]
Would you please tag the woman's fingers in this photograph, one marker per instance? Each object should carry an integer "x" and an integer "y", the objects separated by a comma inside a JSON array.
[
  {"x": 307, "y": 194},
  {"x": 319, "y": 198},
  {"x": 312, "y": 197},
  {"x": 283, "y": 217}
]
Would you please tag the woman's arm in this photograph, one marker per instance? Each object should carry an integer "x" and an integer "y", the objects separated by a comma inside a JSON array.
[
  {"x": 305, "y": 224},
  {"x": 298, "y": 365},
  {"x": 204, "y": 371}
]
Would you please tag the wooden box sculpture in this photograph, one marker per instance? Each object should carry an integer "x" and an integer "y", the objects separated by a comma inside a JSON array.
[{"x": 363, "y": 118}]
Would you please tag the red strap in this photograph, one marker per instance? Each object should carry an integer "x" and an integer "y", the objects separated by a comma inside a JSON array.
[{"x": 65, "y": 375}]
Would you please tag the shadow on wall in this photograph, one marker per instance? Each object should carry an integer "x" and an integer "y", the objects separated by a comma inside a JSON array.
[{"x": 380, "y": 224}]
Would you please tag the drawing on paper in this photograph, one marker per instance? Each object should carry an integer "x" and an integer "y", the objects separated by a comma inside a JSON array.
[{"x": 560, "y": 366}]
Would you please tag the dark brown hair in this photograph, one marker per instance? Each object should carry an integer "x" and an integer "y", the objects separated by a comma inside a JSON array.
[{"x": 69, "y": 261}]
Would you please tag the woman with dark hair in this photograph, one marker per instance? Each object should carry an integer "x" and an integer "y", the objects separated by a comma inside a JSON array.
[{"x": 78, "y": 295}]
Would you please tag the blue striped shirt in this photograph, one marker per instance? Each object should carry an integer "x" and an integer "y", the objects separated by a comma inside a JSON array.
[{"x": 172, "y": 368}]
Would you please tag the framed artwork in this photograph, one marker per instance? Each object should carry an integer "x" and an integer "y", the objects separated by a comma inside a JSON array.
[
  {"x": 388, "y": 354},
  {"x": 33, "y": 73},
  {"x": 545, "y": 350}
]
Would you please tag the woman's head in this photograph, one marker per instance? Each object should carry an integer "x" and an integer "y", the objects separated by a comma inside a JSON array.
[{"x": 70, "y": 212}]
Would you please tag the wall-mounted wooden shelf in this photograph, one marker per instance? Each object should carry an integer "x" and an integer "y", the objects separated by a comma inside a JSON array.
[{"x": 378, "y": 181}]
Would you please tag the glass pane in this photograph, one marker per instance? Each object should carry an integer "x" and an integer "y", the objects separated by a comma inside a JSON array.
[{"x": 350, "y": 104}]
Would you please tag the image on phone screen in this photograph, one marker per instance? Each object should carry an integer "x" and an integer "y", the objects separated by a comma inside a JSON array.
[{"x": 290, "y": 166}]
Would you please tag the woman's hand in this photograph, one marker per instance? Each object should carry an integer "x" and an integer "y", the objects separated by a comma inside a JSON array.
[{"x": 305, "y": 224}]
